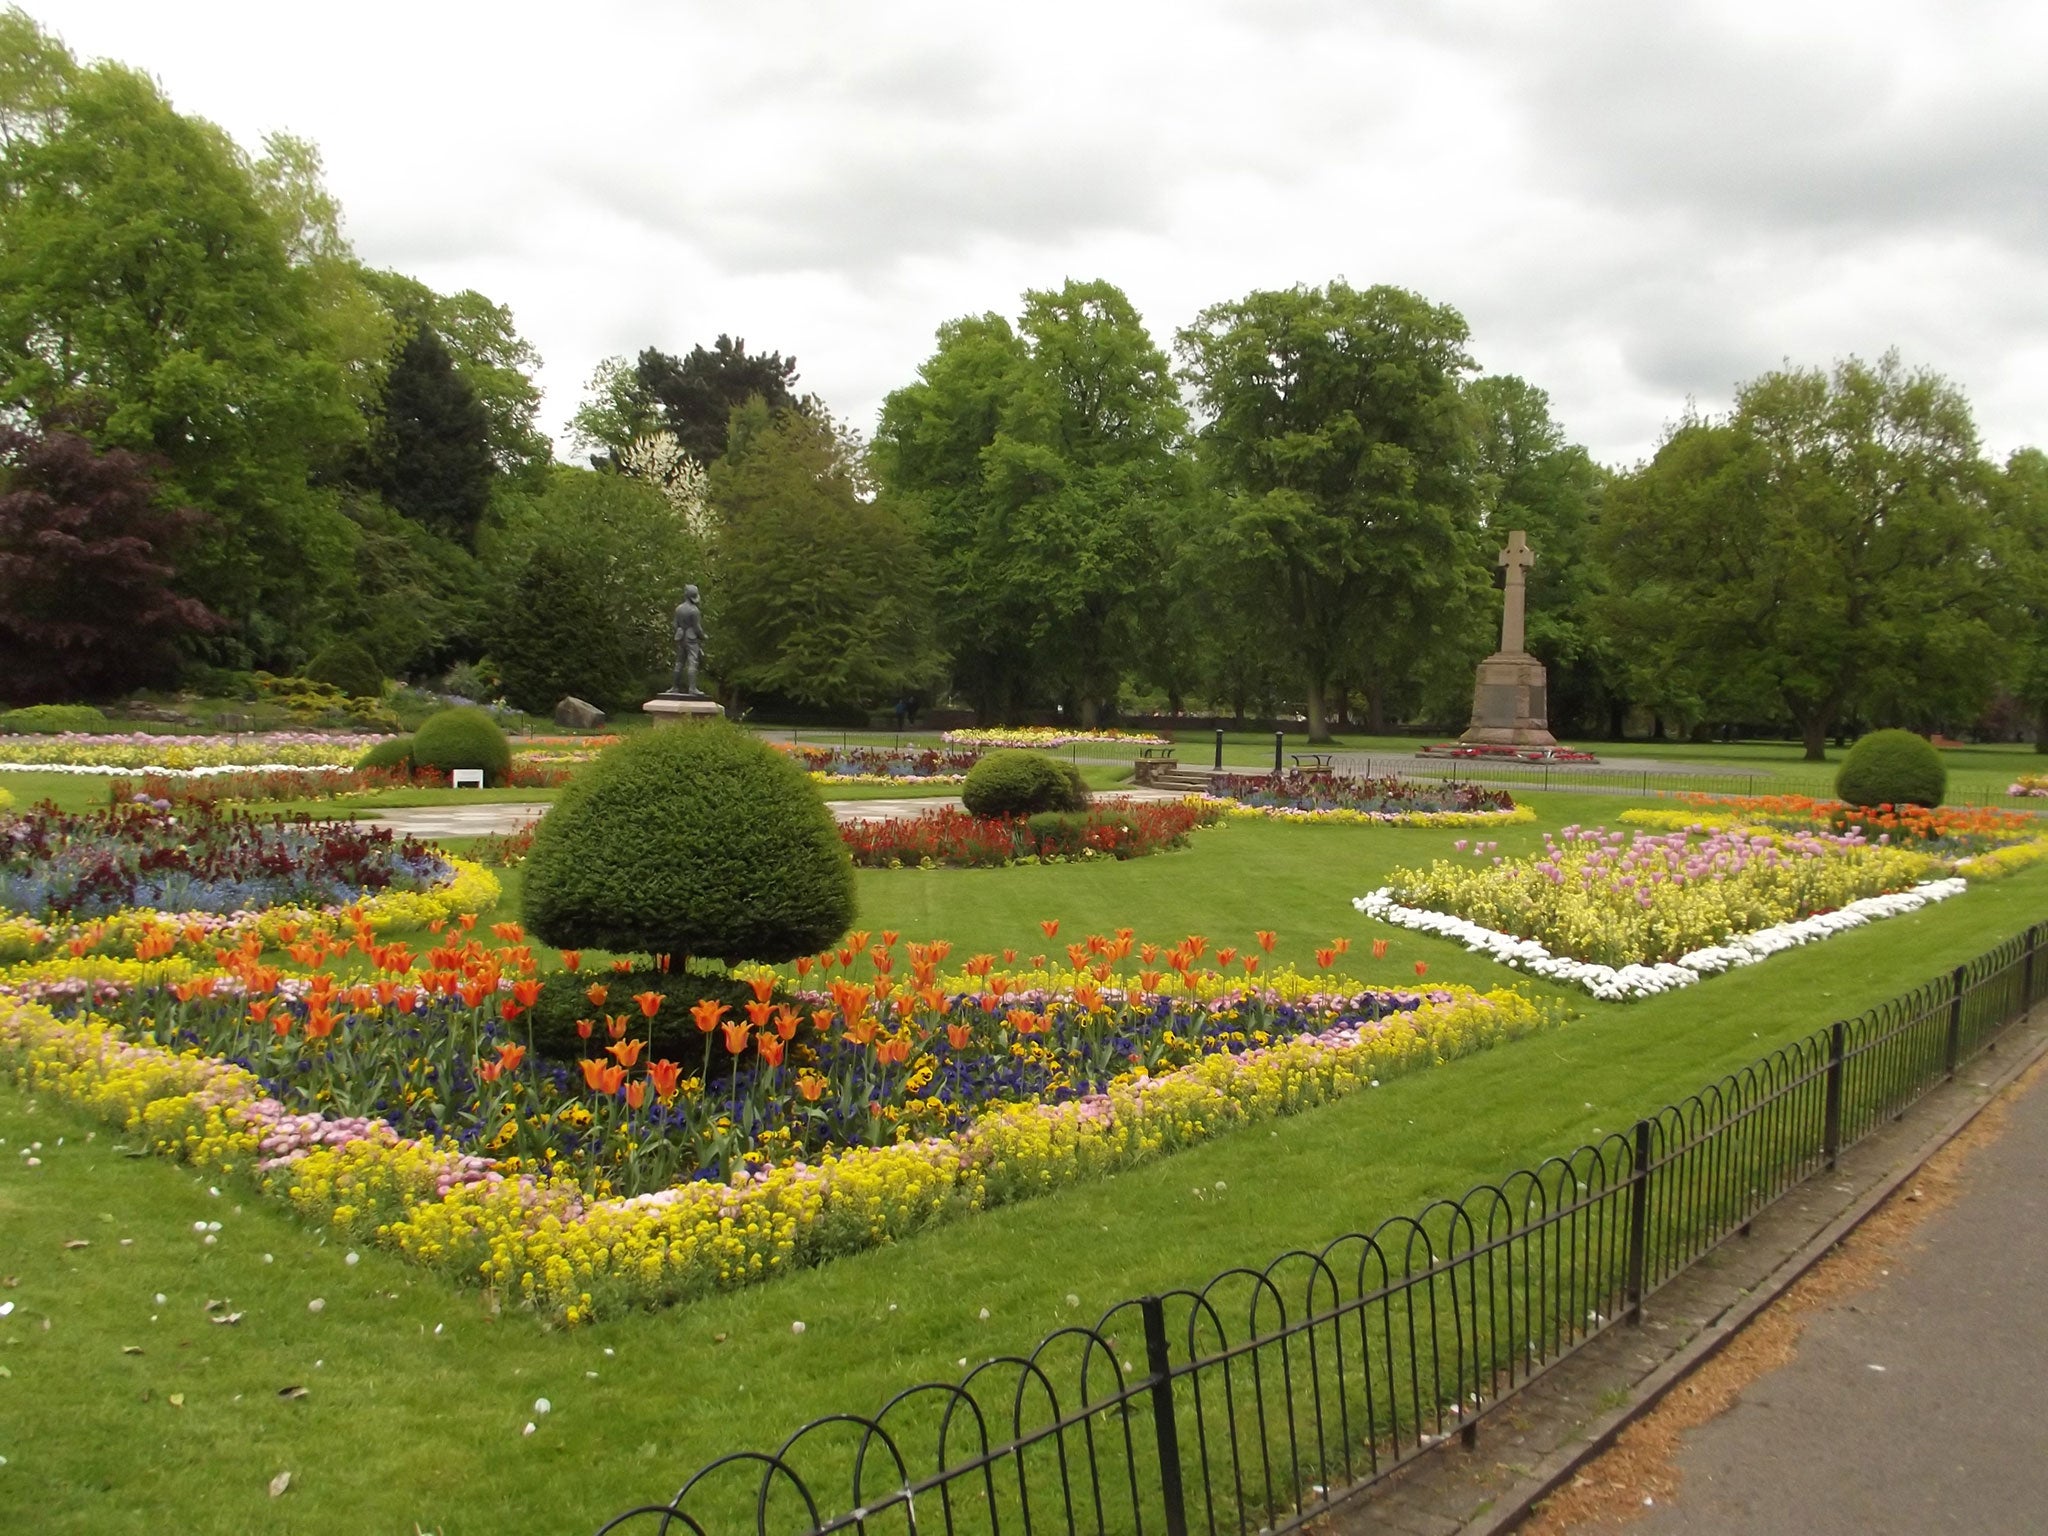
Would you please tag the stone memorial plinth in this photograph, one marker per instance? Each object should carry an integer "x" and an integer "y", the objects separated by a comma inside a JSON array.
[
  {"x": 1510, "y": 703},
  {"x": 681, "y": 708}
]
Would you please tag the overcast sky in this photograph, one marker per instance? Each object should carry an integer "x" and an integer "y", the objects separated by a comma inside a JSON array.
[{"x": 1632, "y": 203}]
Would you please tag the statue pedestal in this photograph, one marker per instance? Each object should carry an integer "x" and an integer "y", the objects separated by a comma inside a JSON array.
[
  {"x": 1509, "y": 703},
  {"x": 681, "y": 708}
]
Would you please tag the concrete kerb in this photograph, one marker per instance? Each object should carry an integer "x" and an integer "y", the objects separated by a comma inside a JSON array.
[{"x": 1555, "y": 1470}]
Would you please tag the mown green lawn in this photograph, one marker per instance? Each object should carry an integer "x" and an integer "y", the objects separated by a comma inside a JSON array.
[{"x": 403, "y": 1425}]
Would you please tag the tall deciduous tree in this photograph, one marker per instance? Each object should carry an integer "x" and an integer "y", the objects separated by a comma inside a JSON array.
[
  {"x": 2019, "y": 512},
  {"x": 1336, "y": 428},
  {"x": 698, "y": 392},
  {"x": 555, "y": 637},
  {"x": 431, "y": 456},
  {"x": 822, "y": 593},
  {"x": 1044, "y": 460},
  {"x": 89, "y": 606},
  {"x": 143, "y": 277},
  {"x": 1828, "y": 546}
]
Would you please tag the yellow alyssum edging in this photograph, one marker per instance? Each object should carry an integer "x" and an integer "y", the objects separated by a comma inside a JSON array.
[
  {"x": 574, "y": 1260},
  {"x": 474, "y": 889},
  {"x": 1518, "y": 815}
]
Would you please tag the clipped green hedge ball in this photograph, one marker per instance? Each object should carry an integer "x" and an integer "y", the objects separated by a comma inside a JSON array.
[
  {"x": 1013, "y": 782},
  {"x": 392, "y": 752},
  {"x": 463, "y": 738},
  {"x": 1892, "y": 768},
  {"x": 347, "y": 666},
  {"x": 690, "y": 840}
]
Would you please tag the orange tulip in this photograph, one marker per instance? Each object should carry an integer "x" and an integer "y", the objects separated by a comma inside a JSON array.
[
  {"x": 625, "y": 1052},
  {"x": 811, "y": 1086},
  {"x": 859, "y": 941},
  {"x": 1009, "y": 957},
  {"x": 526, "y": 993},
  {"x": 615, "y": 1026},
  {"x": 593, "y": 1070},
  {"x": 258, "y": 1010},
  {"x": 489, "y": 1071},
  {"x": 736, "y": 1035},
  {"x": 1266, "y": 940},
  {"x": 1379, "y": 949},
  {"x": 786, "y": 1021},
  {"x": 584, "y": 1027},
  {"x": 650, "y": 1003},
  {"x": 1326, "y": 958},
  {"x": 662, "y": 963},
  {"x": 804, "y": 964},
  {"x": 771, "y": 1050},
  {"x": 763, "y": 986},
  {"x": 510, "y": 1054},
  {"x": 1224, "y": 957},
  {"x": 636, "y": 1095},
  {"x": 889, "y": 937},
  {"x": 509, "y": 933},
  {"x": 664, "y": 1075},
  {"x": 1422, "y": 968},
  {"x": 319, "y": 1023},
  {"x": 821, "y": 1019},
  {"x": 622, "y": 967},
  {"x": 468, "y": 920},
  {"x": 957, "y": 1036},
  {"x": 597, "y": 993},
  {"x": 707, "y": 1014},
  {"x": 1050, "y": 926},
  {"x": 1251, "y": 965},
  {"x": 758, "y": 1012}
]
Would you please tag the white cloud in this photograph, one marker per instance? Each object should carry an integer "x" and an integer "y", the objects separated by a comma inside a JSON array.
[{"x": 1631, "y": 204}]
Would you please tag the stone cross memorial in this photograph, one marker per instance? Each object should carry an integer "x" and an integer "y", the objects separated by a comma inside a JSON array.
[{"x": 1509, "y": 708}]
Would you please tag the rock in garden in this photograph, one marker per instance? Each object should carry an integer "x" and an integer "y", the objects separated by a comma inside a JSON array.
[{"x": 574, "y": 712}]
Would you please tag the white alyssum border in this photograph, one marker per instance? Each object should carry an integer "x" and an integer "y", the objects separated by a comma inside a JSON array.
[
  {"x": 173, "y": 773},
  {"x": 1619, "y": 984}
]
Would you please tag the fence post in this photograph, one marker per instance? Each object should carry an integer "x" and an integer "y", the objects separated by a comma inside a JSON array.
[
  {"x": 1160, "y": 1365},
  {"x": 1219, "y": 749},
  {"x": 1955, "y": 1019},
  {"x": 1279, "y": 741},
  {"x": 1638, "y": 1223},
  {"x": 1831, "y": 1125}
]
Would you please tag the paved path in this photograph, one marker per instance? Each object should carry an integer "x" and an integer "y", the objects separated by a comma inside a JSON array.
[
  {"x": 508, "y": 816},
  {"x": 1918, "y": 1406}
]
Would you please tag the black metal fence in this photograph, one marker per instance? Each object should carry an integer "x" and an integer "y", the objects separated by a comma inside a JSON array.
[{"x": 1269, "y": 1395}]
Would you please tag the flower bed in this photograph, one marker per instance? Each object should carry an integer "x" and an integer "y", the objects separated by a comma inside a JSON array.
[
  {"x": 951, "y": 837},
  {"x": 1042, "y": 736},
  {"x": 405, "y": 1109},
  {"x": 1629, "y": 918},
  {"x": 60, "y": 866},
  {"x": 2029, "y": 786},
  {"x": 239, "y": 786},
  {"x": 139, "y": 751},
  {"x": 881, "y": 765},
  {"x": 1385, "y": 801}
]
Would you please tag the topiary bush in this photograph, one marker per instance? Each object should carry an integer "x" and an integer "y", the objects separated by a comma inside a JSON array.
[
  {"x": 1892, "y": 768},
  {"x": 690, "y": 840},
  {"x": 48, "y": 719},
  {"x": 393, "y": 753},
  {"x": 347, "y": 666},
  {"x": 1012, "y": 782},
  {"x": 462, "y": 738}
]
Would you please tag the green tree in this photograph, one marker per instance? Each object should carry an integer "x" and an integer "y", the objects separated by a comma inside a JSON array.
[
  {"x": 1337, "y": 431},
  {"x": 554, "y": 637},
  {"x": 822, "y": 592},
  {"x": 431, "y": 456},
  {"x": 2019, "y": 514},
  {"x": 698, "y": 392},
  {"x": 493, "y": 359},
  {"x": 1045, "y": 462},
  {"x": 616, "y": 412},
  {"x": 144, "y": 282},
  {"x": 1828, "y": 546},
  {"x": 632, "y": 547}
]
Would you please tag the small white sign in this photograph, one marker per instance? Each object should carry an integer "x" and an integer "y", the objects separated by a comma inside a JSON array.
[{"x": 467, "y": 778}]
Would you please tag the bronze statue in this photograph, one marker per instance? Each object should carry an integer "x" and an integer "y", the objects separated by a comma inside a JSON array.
[{"x": 689, "y": 636}]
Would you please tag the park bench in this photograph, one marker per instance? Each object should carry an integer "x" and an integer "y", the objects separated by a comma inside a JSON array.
[
  {"x": 1156, "y": 754},
  {"x": 466, "y": 778},
  {"x": 1313, "y": 762}
]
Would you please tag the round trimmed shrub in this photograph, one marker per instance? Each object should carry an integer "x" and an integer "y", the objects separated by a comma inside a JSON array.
[
  {"x": 394, "y": 752},
  {"x": 1892, "y": 768},
  {"x": 347, "y": 666},
  {"x": 690, "y": 840},
  {"x": 49, "y": 719},
  {"x": 1013, "y": 782},
  {"x": 462, "y": 738}
]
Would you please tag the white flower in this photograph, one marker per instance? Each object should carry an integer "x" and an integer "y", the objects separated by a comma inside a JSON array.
[
  {"x": 352, "y": 1259},
  {"x": 542, "y": 1405},
  {"x": 529, "y": 1428},
  {"x": 795, "y": 1327},
  {"x": 317, "y": 1304}
]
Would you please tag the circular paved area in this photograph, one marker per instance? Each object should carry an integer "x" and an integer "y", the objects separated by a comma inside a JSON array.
[{"x": 481, "y": 820}]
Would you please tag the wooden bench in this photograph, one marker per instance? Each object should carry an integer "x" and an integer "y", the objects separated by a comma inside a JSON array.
[
  {"x": 1313, "y": 762},
  {"x": 1156, "y": 754},
  {"x": 466, "y": 778}
]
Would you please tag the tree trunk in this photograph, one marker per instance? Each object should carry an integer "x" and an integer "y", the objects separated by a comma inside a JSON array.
[
  {"x": 1091, "y": 713},
  {"x": 1340, "y": 706},
  {"x": 1617, "y": 720},
  {"x": 1814, "y": 731},
  {"x": 2041, "y": 728},
  {"x": 1318, "y": 723}
]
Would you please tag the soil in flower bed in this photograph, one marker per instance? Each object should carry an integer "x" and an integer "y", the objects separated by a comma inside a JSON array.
[
  {"x": 61, "y": 865},
  {"x": 1389, "y": 796},
  {"x": 953, "y": 837}
]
